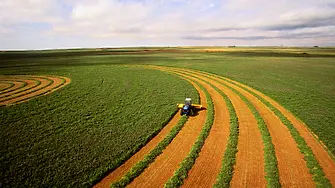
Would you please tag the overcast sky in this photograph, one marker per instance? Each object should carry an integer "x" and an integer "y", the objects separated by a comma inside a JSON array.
[{"x": 44, "y": 24}]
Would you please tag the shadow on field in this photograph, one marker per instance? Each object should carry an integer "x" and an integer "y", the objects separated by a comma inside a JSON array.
[{"x": 196, "y": 112}]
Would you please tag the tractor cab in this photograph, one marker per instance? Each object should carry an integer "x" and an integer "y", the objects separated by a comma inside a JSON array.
[{"x": 188, "y": 101}]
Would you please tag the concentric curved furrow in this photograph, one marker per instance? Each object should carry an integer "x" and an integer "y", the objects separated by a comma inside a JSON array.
[
  {"x": 27, "y": 87},
  {"x": 125, "y": 167},
  {"x": 5, "y": 86},
  {"x": 248, "y": 172},
  {"x": 158, "y": 173},
  {"x": 14, "y": 85},
  {"x": 30, "y": 84}
]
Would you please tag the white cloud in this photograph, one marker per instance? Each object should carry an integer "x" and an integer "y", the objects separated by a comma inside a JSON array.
[
  {"x": 22, "y": 11},
  {"x": 162, "y": 22}
]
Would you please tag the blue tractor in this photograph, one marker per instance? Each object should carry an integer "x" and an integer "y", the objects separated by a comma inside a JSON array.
[{"x": 188, "y": 108}]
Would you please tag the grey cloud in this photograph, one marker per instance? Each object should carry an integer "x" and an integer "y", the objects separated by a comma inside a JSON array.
[
  {"x": 313, "y": 21},
  {"x": 225, "y": 38},
  {"x": 224, "y": 29},
  {"x": 263, "y": 37}
]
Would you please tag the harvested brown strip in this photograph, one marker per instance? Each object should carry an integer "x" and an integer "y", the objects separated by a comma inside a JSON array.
[
  {"x": 125, "y": 167},
  {"x": 208, "y": 164},
  {"x": 31, "y": 84},
  {"x": 17, "y": 85},
  {"x": 157, "y": 174},
  {"x": 321, "y": 155},
  {"x": 249, "y": 169},
  {"x": 42, "y": 89}
]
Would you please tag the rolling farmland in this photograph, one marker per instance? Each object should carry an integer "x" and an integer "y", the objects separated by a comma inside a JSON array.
[{"x": 115, "y": 123}]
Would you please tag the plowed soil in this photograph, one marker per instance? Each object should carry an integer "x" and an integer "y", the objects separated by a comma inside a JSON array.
[
  {"x": 35, "y": 86},
  {"x": 249, "y": 168}
]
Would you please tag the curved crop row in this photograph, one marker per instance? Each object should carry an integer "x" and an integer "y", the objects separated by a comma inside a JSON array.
[
  {"x": 270, "y": 159},
  {"x": 271, "y": 169},
  {"x": 228, "y": 161},
  {"x": 181, "y": 173},
  {"x": 313, "y": 165},
  {"x": 24, "y": 84},
  {"x": 10, "y": 95},
  {"x": 8, "y": 87},
  {"x": 263, "y": 116}
]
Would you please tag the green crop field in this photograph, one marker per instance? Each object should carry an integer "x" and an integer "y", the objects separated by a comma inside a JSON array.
[{"x": 76, "y": 135}]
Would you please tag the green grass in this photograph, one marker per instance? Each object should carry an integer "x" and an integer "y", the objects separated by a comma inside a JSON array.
[
  {"x": 313, "y": 165},
  {"x": 185, "y": 166},
  {"x": 139, "y": 167},
  {"x": 78, "y": 134}
]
